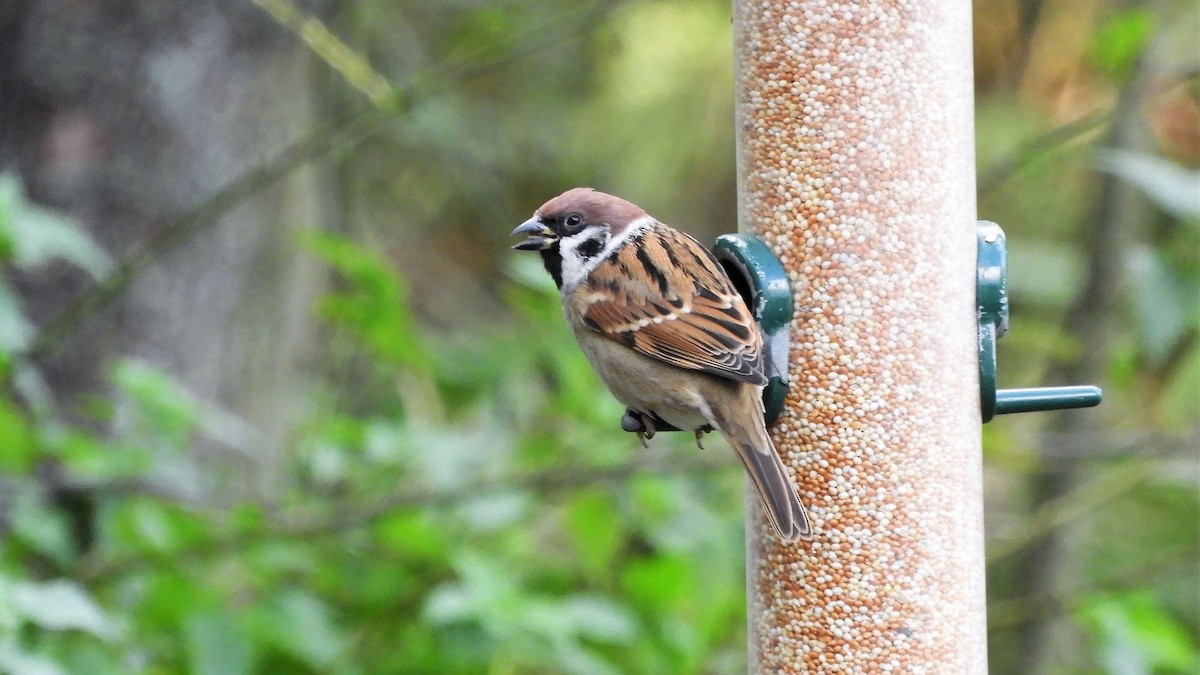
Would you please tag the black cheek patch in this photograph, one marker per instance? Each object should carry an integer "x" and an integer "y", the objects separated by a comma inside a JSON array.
[{"x": 590, "y": 248}]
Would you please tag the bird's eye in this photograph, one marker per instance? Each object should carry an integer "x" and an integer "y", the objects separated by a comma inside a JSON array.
[{"x": 573, "y": 222}]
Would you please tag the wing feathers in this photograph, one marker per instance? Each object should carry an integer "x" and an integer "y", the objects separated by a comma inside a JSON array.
[{"x": 664, "y": 295}]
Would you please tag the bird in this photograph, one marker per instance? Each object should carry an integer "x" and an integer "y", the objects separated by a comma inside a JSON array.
[{"x": 660, "y": 322}]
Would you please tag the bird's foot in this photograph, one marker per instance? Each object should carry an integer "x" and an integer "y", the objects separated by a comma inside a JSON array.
[
  {"x": 648, "y": 432},
  {"x": 637, "y": 421},
  {"x": 700, "y": 431}
]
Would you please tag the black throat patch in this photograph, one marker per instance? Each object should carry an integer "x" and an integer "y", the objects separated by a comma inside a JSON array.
[{"x": 552, "y": 260}]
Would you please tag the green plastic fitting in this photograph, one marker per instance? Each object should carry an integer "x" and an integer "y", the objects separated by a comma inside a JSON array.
[
  {"x": 760, "y": 278},
  {"x": 991, "y": 296}
]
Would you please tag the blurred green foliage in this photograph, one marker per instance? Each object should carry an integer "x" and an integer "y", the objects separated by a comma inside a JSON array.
[
  {"x": 468, "y": 538},
  {"x": 463, "y": 501}
]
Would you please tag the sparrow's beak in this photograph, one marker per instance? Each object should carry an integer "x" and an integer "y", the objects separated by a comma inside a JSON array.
[{"x": 538, "y": 235}]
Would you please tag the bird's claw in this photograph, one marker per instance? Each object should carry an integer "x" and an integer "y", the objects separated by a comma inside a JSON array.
[
  {"x": 637, "y": 421},
  {"x": 700, "y": 431},
  {"x": 648, "y": 432}
]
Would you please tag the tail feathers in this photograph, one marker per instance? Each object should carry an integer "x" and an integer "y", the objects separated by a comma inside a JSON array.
[
  {"x": 775, "y": 490},
  {"x": 769, "y": 475}
]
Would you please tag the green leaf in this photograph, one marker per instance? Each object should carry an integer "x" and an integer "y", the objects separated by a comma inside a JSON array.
[
  {"x": 598, "y": 618},
  {"x": 413, "y": 535},
  {"x": 158, "y": 526},
  {"x": 492, "y": 589},
  {"x": 373, "y": 305},
  {"x": 1044, "y": 271},
  {"x": 215, "y": 646},
  {"x": 160, "y": 400},
  {"x": 1173, "y": 188},
  {"x": 1166, "y": 302},
  {"x": 61, "y": 605},
  {"x": 43, "y": 530},
  {"x": 14, "y": 660},
  {"x": 31, "y": 387},
  {"x": 17, "y": 447},
  {"x": 15, "y": 330},
  {"x": 38, "y": 235},
  {"x": 1181, "y": 397},
  {"x": 448, "y": 603},
  {"x": 577, "y": 660},
  {"x": 383, "y": 441},
  {"x": 489, "y": 596},
  {"x": 1119, "y": 42},
  {"x": 300, "y": 624},
  {"x": 156, "y": 413},
  {"x": 596, "y": 529},
  {"x": 658, "y": 584},
  {"x": 528, "y": 271},
  {"x": 1137, "y": 635},
  {"x": 94, "y": 458}
]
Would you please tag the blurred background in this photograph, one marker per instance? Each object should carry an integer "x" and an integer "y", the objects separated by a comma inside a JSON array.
[{"x": 276, "y": 396}]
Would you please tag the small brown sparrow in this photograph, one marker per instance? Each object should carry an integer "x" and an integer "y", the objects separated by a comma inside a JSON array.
[{"x": 661, "y": 323}]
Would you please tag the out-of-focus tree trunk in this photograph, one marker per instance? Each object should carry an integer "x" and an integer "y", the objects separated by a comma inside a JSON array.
[
  {"x": 1051, "y": 563},
  {"x": 126, "y": 113}
]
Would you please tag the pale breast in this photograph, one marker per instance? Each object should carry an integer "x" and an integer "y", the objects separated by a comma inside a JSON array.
[{"x": 646, "y": 384}]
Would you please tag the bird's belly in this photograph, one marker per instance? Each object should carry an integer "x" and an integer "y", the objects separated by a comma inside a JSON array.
[{"x": 646, "y": 384}]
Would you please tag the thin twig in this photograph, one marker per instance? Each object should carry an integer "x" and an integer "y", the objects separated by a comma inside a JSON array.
[
  {"x": 1081, "y": 501},
  {"x": 992, "y": 177},
  {"x": 344, "y": 135},
  {"x": 351, "y": 65},
  {"x": 1014, "y": 612}
]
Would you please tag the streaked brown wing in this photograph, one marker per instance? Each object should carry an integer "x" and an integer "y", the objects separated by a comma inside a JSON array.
[{"x": 643, "y": 298}]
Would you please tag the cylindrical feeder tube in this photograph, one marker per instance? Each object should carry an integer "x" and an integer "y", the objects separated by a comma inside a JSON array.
[{"x": 856, "y": 166}]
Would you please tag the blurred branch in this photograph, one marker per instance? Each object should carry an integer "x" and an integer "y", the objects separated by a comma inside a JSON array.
[
  {"x": 1081, "y": 501},
  {"x": 351, "y": 65},
  {"x": 341, "y": 136},
  {"x": 350, "y": 517},
  {"x": 1015, "y": 612},
  {"x": 545, "y": 482},
  {"x": 999, "y": 172},
  {"x": 992, "y": 177},
  {"x": 1104, "y": 445},
  {"x": 357, "y": 70}
]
